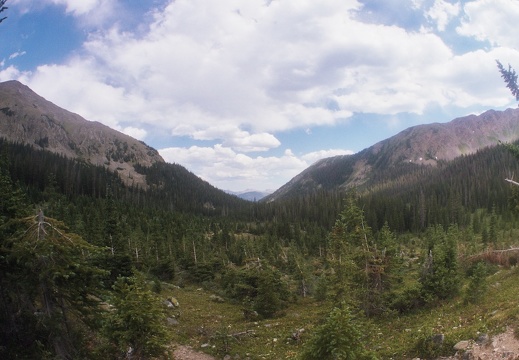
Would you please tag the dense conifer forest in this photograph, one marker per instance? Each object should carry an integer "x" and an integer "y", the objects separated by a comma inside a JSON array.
[{"x": 74, "y": 241}]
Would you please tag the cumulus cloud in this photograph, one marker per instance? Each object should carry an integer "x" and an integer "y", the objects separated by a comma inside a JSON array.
[
  {"x": 442, "y": 12},
  {"x": 314, "y": 156},
  {"x": 222, "y": 166},
  {"x": 139, "y": 134},
  {"x": 91, "y": 13},
  {"x": 80, "y": 7},
  {"x": 491, "y": 20}
]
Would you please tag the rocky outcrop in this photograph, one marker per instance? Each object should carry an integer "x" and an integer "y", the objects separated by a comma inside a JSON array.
[{"x": 504, "y": 346}]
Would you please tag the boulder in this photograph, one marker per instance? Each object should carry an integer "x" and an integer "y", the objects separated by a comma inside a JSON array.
[
  {"x": 462, "y": 345},
  {"x": 216, "y": 298},
  {"x": 172, "y": 321},
  {"x": 483, "y": 339},
  {"x": 168, "y": 304},
  {"x": 174, "y": 301}
]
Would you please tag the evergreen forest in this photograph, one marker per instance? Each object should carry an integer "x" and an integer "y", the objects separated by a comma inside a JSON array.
[{"x": 91, "y": 268}]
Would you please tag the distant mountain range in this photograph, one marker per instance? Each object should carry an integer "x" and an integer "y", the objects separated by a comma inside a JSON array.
[
  {"x": 251, "y": 195},
  {"x": 416, "y": 146}
]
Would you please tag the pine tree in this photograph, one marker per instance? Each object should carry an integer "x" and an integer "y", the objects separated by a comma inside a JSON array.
[
  {"x": 361, "y": 267},
  {"x": 440, "y": 276},
  {"x": 339, "y": 338},
  {"x": 136, "y": 327},
  {"x": 510, "y": 78},
  {"x": 268, "y": 301},
  {"x": 345, "y": 249},
  {"x": 49, "y": 282},
  {"x": 477, "y": 285}
]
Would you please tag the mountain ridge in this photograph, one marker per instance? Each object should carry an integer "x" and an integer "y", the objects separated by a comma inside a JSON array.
[
  {"x": 28, "y": 118},
  {"x": 421, "y": 145}
]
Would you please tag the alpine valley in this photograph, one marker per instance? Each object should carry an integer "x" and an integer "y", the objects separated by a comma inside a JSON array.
[{"x": 108, "y": 252}]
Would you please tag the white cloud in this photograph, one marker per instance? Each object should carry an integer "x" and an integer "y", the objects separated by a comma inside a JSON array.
[
  {"x": 442, "y": 12},
  {"x": 250, "y": 67},
  {"x": 139, "y": 134},
  {"x": 312, "y": 157},
  {"x": 10, "y": 73},
  {"x": 491, "y": 20},
  {"x": 16, "y": 54},
  {"x": 91, "y": 13},
  {"x": 80, "y": 7},
  {"x": 254, "y": 142},
  {"x": 227, "y": 169}
]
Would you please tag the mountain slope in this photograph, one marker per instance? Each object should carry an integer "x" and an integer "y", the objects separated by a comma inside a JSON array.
[
  {"x": 416, "y": 146},
  {"x": 27, "y": 118}
]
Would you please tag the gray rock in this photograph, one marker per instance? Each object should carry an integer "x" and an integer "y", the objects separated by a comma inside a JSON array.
[
  {"x": 483, "y": 339},
  {"x": 172, "y": 321},
  {"x": 174, "y": 301},
  {"x": 438, "y": 339},
  {"x": 462, "y": 345},
  {"x": 216, "y": 298},
  {"x": 168, "y": 303},
  {"x": 250, "y": 314},
  {"x": 468, "y": 355}
]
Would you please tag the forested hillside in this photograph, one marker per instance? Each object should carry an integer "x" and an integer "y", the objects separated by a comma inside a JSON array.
[{"x": 396, "y": 247}]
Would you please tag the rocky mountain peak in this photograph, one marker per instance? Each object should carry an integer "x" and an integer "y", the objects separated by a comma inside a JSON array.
[{"x": 26, "y": 117}]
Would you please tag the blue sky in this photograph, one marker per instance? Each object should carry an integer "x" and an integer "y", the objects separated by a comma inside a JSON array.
[{"x": 248, "y": 93}]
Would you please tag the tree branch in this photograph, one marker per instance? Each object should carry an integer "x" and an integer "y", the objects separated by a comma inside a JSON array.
[{"x": 511, "y": 181}]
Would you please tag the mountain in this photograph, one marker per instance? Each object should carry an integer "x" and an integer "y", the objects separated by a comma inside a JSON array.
[
  {"x": 26, "y": 117},
  {"x": 422, "y": 145},
  {"x": 251, "y": 195}
]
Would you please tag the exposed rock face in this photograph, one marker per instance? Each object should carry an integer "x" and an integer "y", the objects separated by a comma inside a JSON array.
[{"x": 26, "y": 117}]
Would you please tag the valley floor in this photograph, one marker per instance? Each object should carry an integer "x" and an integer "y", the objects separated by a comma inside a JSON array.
[{"x": 209, "y": 330}]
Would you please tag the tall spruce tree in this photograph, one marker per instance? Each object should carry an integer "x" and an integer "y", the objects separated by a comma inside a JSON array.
[
  {"x": 361, "y": 267},
  {"x": 440, "y": 278},
  {"x": 49, "y": 287}
]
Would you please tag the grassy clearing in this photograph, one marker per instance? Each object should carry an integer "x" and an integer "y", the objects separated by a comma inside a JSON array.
[{"x": 220, "y": 328}]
